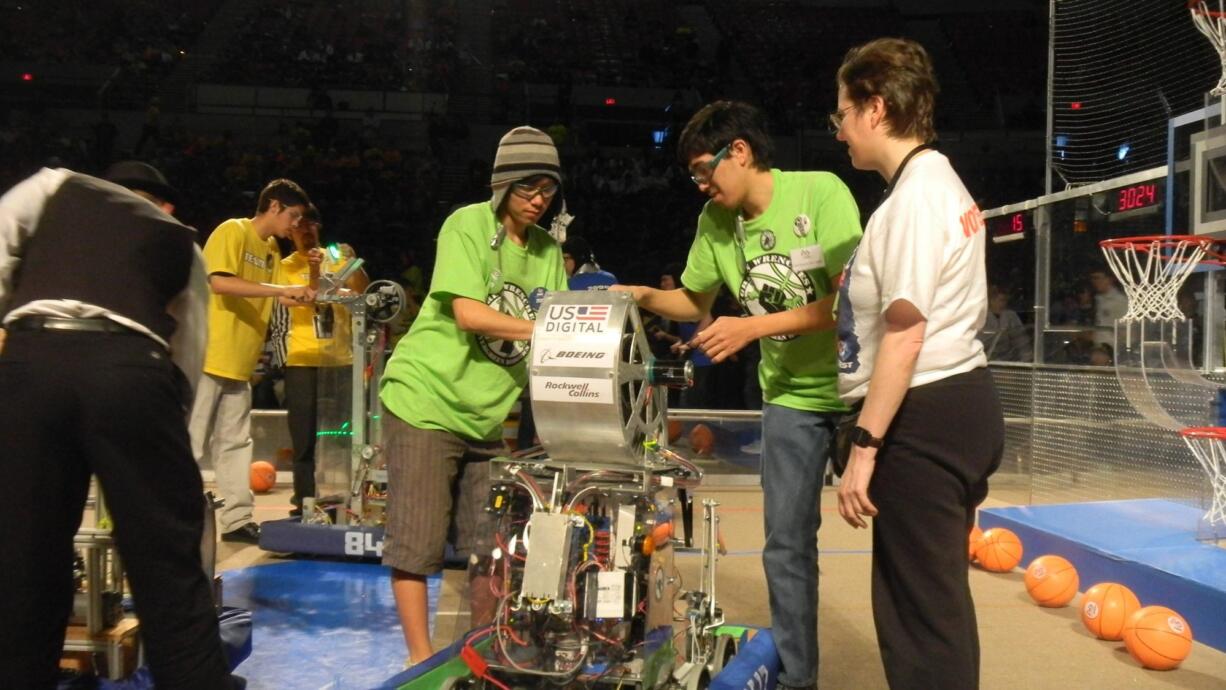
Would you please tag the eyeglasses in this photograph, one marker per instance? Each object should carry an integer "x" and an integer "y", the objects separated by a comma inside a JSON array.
[
  {"x": 527, "y": 192},
  {"x": 706, "y": 170},
  {"x": 837, "y": 117}
]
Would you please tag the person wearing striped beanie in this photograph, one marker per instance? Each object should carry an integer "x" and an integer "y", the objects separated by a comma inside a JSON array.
[{"x": 452, "y": 380}]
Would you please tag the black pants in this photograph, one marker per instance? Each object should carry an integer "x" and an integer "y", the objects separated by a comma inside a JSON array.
[
  {"x": 301, "y": 401},
  {"x": 932, "y": 473},
  {"x": 76, "y": 404}
]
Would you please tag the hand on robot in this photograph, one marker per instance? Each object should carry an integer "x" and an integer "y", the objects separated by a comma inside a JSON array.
[
  {"x": 346, "y": 251},
  {"x": 854, "y": 503},
  {"x": 725, "y": 337},
  {"x": 680, "y": 349},
  {"x": 296, "y": 295},
  {"x": 315, "y": 257}
]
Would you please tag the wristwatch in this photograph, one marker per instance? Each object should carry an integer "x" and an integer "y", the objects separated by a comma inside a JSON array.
[{"x": 865, "y": 439}]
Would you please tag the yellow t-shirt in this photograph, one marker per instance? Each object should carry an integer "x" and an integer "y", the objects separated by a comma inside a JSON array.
[
  {"x": 237, "y": 325},
  {"x": 304, "y": 348}
]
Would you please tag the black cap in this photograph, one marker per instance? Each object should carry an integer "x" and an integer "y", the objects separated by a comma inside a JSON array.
[{"x": 142, "y": 176}]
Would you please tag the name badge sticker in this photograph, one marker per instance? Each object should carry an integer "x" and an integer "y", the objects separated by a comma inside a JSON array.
[{"x": 808, "y": 258}]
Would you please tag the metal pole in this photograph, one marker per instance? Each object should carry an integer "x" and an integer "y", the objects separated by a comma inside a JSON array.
[
  {"x": 357, "y": 408},
  {"x": 1051, "y": 77}
]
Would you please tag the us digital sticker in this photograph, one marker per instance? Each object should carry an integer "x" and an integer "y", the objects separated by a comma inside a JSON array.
[{"x": 564, "y": 321}]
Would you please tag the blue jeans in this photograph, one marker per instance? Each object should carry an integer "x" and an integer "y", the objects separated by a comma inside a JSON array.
[{"x": 795, "y": 446}]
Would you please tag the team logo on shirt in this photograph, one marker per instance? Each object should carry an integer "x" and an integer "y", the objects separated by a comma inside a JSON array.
[
  {"x": 512, "y": 301},
  {"x": 802, "y": 225},
  {"x": 262, "y": 264},
  {"x": 771, "y": 286}
]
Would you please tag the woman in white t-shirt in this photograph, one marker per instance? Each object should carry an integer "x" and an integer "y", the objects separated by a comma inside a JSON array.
[{"x": 930, "y": 429}]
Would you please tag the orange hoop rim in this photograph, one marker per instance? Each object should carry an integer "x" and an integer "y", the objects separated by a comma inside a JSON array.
[
  {"x": 1145, "y": 243},
  {"x": 1202, "y": 8},
  {"x": 1218, "y": 432}
]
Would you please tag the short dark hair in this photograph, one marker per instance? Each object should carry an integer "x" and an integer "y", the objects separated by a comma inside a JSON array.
[
  {"x": 287, "y": 192},
  {"x": 900, "y": 72},
  {"x": 720, "y": 123},
  {"x": 311, "y": 214},
  {"x": 578, "y": 248}
]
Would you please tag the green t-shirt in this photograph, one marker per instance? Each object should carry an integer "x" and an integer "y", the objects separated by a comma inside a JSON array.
[
  {"x": 441, "y": 377},
  {"x": 807, "y": 209}
]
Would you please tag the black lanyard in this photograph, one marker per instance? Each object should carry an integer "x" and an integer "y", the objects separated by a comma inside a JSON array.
[{"x": 901, "y": 167}]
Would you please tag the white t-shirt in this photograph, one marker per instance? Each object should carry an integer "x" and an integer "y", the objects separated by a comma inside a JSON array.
[{"x": 924, "y": 244}]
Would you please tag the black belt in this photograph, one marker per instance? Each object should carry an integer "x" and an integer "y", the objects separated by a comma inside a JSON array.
[{"x": 57, "y": 323}]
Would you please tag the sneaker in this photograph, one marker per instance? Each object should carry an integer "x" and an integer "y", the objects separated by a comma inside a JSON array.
[
  {"x": 295, "y": 512},
  {"x": 247, "y": 534},
  {"x": 753, "y": 447}
]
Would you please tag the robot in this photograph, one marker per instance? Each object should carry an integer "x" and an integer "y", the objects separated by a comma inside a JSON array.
[{"x": 588, "y": 595}]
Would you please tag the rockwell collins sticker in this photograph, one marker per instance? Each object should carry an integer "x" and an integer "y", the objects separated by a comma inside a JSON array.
[{"x": 568, "y": 389}]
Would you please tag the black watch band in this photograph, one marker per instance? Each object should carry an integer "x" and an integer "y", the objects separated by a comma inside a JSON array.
[{"x": 863, "y": 438}]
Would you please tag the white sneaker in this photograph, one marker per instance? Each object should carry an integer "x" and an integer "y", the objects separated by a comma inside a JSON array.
[{"x": 752, "y": 448}]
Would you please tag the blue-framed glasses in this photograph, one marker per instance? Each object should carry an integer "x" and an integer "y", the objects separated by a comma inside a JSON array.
[{"x": 702, "y": 175}]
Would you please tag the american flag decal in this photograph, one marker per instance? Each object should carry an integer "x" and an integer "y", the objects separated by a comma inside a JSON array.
[{"x": 597, "y": 313}]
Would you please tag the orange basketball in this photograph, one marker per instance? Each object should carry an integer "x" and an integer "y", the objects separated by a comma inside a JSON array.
[
  {"x": 263, "y": 476},
  {"x": 1106, "y": 607},
  {"x": 662, "y": 533},
  {"x": 1051, "y": 581},
  {"x": 702, "y": 439},
  {"x": 1158, "y": 638},
  {"x": 976, "y": 537},
  {"x": 999, "y": 550},
  {"x": 674, "y": 430}
]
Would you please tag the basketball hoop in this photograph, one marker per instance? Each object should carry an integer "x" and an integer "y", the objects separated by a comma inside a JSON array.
[
  {"x": 1152, "y": 268},
  {"x": 1206, "y": 444},
  {"x": 1212, "y": 23}
]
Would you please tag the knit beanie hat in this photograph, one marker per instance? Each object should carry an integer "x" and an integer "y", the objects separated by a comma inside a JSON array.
[{"x": 523, "y": 152}]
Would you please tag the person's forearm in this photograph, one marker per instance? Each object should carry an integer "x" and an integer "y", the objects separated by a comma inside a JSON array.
[
  {"x": 234, "y": 286},
  {"x": 480, "y": 319},
  {"x": 892, "y": 370},
  {"x": 678, "y": 305},
  {"x": 814, "y": 316}
]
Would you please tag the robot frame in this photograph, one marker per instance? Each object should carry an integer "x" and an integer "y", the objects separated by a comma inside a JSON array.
[{"x": 583, "y": 566}]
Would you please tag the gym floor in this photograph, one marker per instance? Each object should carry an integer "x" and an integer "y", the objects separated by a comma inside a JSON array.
[{"x": 1023, "y": 645}]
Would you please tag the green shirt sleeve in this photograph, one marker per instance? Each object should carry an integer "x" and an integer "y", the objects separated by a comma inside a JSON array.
[
  {"x": 837, "y": 223},
  {"x": 701, "y": 272},
  {"x": 459, "y": 265}
]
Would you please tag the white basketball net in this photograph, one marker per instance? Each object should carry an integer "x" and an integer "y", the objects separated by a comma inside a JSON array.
[
  {"x": 1212, "y": 456},
  {"x": 1151, "y": 281},
  {"x": 1210, "y": 19}
]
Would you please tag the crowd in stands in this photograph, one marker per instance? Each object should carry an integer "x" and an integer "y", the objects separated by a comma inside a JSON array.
[
  {"x": 140, "y": 40},
  {"x": 375, "y": 44},
  {"x": 381, "y": 198},
  {"x": 617, "y": 42},
  {"x": 1007, "y": 83}
]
